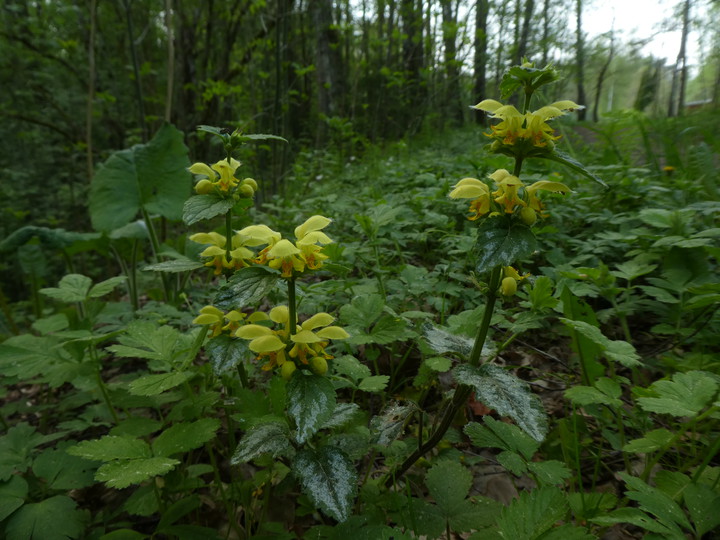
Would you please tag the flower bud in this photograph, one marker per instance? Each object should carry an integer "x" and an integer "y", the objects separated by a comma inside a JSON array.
[
  {"x": 203, "y": 187},
  {"x": 508, "y": 287},
  {"x": 318, "y": 365},
  {"x": 287, "y": 370},
  {"x": 528, "y": 216},
  {"x": 250, "y": 182},
  {"x": 246, "y": 190}
]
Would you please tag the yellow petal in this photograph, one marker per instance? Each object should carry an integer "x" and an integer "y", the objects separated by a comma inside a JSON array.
[
  {"x": 257, "y": 235},
  {"x": 253, "y": 331},
  {"x": 206, "y": 318},
  {"x": 548, "y": 112},
  {"x": 266, "y": 344},
  {"x": 284, "y": 248},
  {"x": 547, "y": 185},
  {"x": 488, "y": 105},
  {"x": 213, "y": 251},
  {"x": 333, "y": 332},
  {"x": 280, "y": 314},
  {"x": 499, "y": 175},
  {"x": 317, "y": 320},
  {"x": 469, "y": 188},
  {"x": 258, "y": 316},
  {"x": 214, "y": 238},
  {"x": 202, "y": 168},
  {"x": 567, "y": 105},
  {"x": 314, "y": 237},
  {"x": 234, "y": 316},
  {"x": 305, "y": 336},
  {"x": 314, "y": 223},
  {"x": 507, "y": 111}
]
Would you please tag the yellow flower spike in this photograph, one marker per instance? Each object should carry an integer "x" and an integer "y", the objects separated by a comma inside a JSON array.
[
  {"x": 507, "y": 192},
  {"x": 234, "y": 319},
  {"x": 258, "y": 235},
  {"x": 314, "y": 223},
  {"x": 333, "y": 332},
  {"x": 472, "y": 188},
  {"x": 543, "y": 185},
  {"x": 284, "y": 256},
  {"x": 221, "y": 173},
  {"x": 317, "y": 320},
  {"x": 212, "y": 317}
]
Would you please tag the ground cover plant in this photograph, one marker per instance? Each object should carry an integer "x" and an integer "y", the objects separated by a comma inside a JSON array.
[{"x": 493, "y": 337}]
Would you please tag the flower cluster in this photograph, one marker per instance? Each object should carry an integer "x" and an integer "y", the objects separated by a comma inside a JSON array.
[
  {"x": 526, "y": 134},
  {"x": 282, "y": 254},
  {"x": 220, "y": 178},
  {"x": 219, "y": 322},
  {"x": 291, "y": 343},
  {"x": 510, "y": 196}
]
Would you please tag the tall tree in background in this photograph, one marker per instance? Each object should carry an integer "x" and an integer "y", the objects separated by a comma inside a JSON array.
[
  {"x": 411, "y": 15},
  {"x": 482, "y": 8},
  {"x": 453, "y": 101},
  {"x": 602, "y": 74},
  {"x": 580, "y": 59},
  {"x": 677, "y": 95},
  {"x": 520, "y": 50},
  {"x": 328, "y": 63}
]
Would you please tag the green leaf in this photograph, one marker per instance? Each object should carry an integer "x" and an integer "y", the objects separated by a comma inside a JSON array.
[
  {"x": 449, "y": 484},
  {"x": 387, "y": 426},
  {"x": 533, "y": 514},
  {"x": 111, "y": 447},
  {"x": 386, "y": 330},
  {"x": 375, "y": 383},
  {"x": 658, "y": 217},
  {"x": 350, "y": 366},
  {"x": 362, "y": 310},
  {"x": 268, "y": 438},
  {"x": 106, "y": 287},
  {"x": 144, "y": 339},
  {"x": 497, "y": 434},
  {"x": 174, "y": 266},
  {"x": 630, "y": 270},
  {"x": 185, "y": 436},
  {"x": 604, "y": 392},
  {"x": 226, "y": 352},
  {"x": 12, "y": 495},
  {"x": 617, "y": 351},
  {"x": 261, "y": 137},
  {"x": 16, "y": 447},
  {"x": 246, "y": 287},
  {"x": 475, "y": 514},
  {"x": 72, "y": 288},
  {"x": 500, "y": 244},
  {"x": 56, "y": 518},
  {"x": 422, "y": 518},
  {"x": 62, "y": 470},
  {"x": 656, "y": 502},
  {"x": 573, "y": 164},
  {"x": 311, "y": 402},
  {"x": 550, "y": 472},
  {"x": 507, "y": 394},
  {"x": 202, "y": 207},
  {"x": 49, "y": 238},
  {"x": 343, "y": 413},
  {"x": 438, "y": 363},
  {"x": 152, "y": 385},
  {"x": 652, "y": 441},
  {"x": 151, "y": 177},
  {"x": 122, "y": 473},
  {"x": 686, "y": 395},
  {"x": 702, "y": 502},
  {"x": 637, "y": 517},
  {"x": 442, "y": 341},
  {"x": 328, "y": 477}
]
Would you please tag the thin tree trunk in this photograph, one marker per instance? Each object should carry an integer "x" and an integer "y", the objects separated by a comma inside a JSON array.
[
  {"x": 546, "y": 33},
  {"x": 328, "y": 64},
  {"x": 452, "y": 71},
  {"x": 91, "y": 90},
  {"x": 580, "y": 56},
  {"x": 521, "y": 48},
  {"x": 170, "y": 60},
  {"x": 482, "y": 7},
  {"x": 601, "y": 77}
]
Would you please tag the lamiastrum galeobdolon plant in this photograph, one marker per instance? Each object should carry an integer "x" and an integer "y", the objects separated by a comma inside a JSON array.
[{"x": 505, "y": 212}]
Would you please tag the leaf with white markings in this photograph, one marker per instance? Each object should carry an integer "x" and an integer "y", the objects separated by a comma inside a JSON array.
[
  {"x": 311, "y": 402},
  {"x": 268, "y": 438}
]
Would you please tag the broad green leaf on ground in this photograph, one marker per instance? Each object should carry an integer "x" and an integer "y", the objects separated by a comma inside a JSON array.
[
  {"x": 374, "y": 383},
  {"x": 605, "y": 391},
  {"x": 111, "y": 447},
  {"x": 502, "y": 243},
  {"x": 650, "y": 442},
  {"x": 449, "y": 484},
  {"x": 637, "y": 517},
  {"x": 246, "y": 287},
  {"x": 12, "y": 495},
  {"x": 122, "y": 473},
  {"x": 362, "y": 311},
  {"x": 152, "y": 385},
  {"x": 352, "y": 367},
  {"x": 533, "y": 514},
  {"x": 311, "y": 402},
  {"x": 56, "y": 518},
  {"x": 72, "y": 288},
  {"x": 269, "y": 438},
  {"x": 385, "y": 330},
  {"x": 62, "y": 470},
  {"x": 703, "y": 503},
  {"x": 497, "y": 434},
  {"x": 507, "y": 394},
  {"x": 16, "y": 448},
  {"x": 442, "y": 341},
  {"x": 685, "y": 395},
  {"x": 617, "y": 351},
  {"x": 632, "y": 269},
  {"x": 421, "y": 517},
  {"x": 201, "y": 207},
  {"x": 438, "y": 363},
  {"x": 654, "y": 501},
  {"x": 550, "y": 472},
  {"x": 106, "y": 287},
  {"x": 185, "y": 436},
  {"x": 387, "y": 426},
  {"x": 151, "y": 177},
  {"x": 328, "y": 477},
  {"x": 144, "y": 339},
  {"x": 225, "y": 353}
]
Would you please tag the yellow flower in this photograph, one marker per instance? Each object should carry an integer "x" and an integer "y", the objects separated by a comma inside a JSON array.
[
  {"x": 543, "y": 185},
  {"x": 309, "y": 343},
  {"x": 239, "y": 254},
  {"x": 221, "y": 174},
  {"x": 309, "y": 235},
  {"x": 215, "y": 319},
  {"x": 507, "y": 193},
  {"x": 472, "y": 188}
]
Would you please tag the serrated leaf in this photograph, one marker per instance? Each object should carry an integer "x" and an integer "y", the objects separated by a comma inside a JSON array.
[
  {"x": 246, "y": 287},
  {"x": 72, "y": 288},
  {"x": 152, "y": 385},
  {"x": 630, "y": 270},
  {"x": 656, "y": 502},
  {"x": 421, "y": 517},
  {"x": 362, "y": 310},
  {"x": 174, "y": 266},
  {"x": 438, "y": 363},
  {"x": 549, "y": 472},
  {"x": 442, "y": 341},
  {"x": 106, "y": 287},
  {"x": 449, "y": 484},
  {"x": 269, "y": 438},
  {"x": 507, "y": 394},
  {"x": 702, "y": 502},
  {"x": 686, "y": 395},
  {"x": 225, "y": 353},
  {"x": 657, "y": 217},
  {"x": 605, "y": 392},
  {"x": 111, "y": 447},
  {"x": 653, "y": 440},
  {"x": 351, "y": 366},
  {"x": 500, "y": 244},
  {"x": 497, "y": 434},
  {"x": 144, "y": 339},
  {"x": 56, "y": 518},
  {"x": 617, "y": 351},
  {"x": 343, "y": 413},
  {"x": 328, "y": 477},
  {"x": 202, "y": 207},
  {"x": 374, "y": 383},
  {"x": 512, "y": 462},
  {"x": 62, "y": 470},
  {"x": 475, "y": 514},
  {"x": 311, "y": 402},
  {"x": 533, "y": 514},
  {"x": 150, "y": 176},
  {"x": 636, "y": 517},
  {"x": 386, "y": 330},
  {"x": 185, "y": 436},
  {"x": 568, "y": 532},
  {"x": 12, "y": 495},
  {"x": 387, "y": 426},
  {"x": 122, "y": 473}
]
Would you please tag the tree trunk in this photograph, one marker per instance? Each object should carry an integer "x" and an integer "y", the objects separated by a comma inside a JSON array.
[
  {"x": 328, "y": 64},
  {"x": 452, "y": 72},
  {"x": 413, "y": 60},
  {"x": 521, "y": 44},
  {"x": 580, "y": 59},
  {"x": 482, "y": 7},
  {"x": 601, "y": 77}
]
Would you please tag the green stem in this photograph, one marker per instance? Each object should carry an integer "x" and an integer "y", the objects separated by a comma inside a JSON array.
[
  {"x": 228, "y": 234},
  {"x": 155, "y": 245},
  {"x": 106, "y": 396},
  {"x": 714, "y": 449},
  {"x": 292, "y": 313},
  {"x": 462, "y": 393},
  {"x": 192, "y": 354}
]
